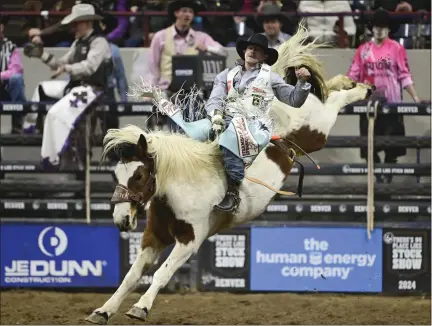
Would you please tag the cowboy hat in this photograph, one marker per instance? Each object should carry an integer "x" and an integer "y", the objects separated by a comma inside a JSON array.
[
  {"x": 261, "y": 41},
  {"x": 81, "y": 12},
  {"x": 382, "y": 18},
  {"x": 272, "y": 11},
  {"x": 176, "y": 5}
]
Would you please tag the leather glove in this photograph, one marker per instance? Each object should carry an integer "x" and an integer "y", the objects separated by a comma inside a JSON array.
[
  {"x": 33, "y": 50},
  {"x": 218, "y": 123}
]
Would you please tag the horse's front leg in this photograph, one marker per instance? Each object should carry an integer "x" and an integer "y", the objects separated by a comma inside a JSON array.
[
  {"x": 178, "y": 256},
  {"x": 151, "y": 249}
]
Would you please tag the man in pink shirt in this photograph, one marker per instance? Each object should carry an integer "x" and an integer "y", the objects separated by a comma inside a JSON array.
[
  {"x": 178, "y": 39},
  {"x": 11, "y": 74},
  {"x": 383, "y": 62}
]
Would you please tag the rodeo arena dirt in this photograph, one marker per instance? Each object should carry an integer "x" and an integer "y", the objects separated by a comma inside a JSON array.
[
  {"x": 20, "y": 307},
  {"x": 318, "y": 237}
]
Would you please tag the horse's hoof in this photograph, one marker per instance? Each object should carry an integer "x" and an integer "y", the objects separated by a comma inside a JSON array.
[
  {"x": 98, "y": 318},
  {"x": 137, "y": 313}
]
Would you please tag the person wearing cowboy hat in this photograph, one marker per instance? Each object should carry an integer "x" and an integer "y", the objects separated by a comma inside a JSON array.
[
  {"x": 178, "y": 39},
  {"x": 272, "y": 20},
  {"x": 89, "y": 65},
  {"x": 86, "y": 55},
  {"x": 383, "y": 62},
  {"x": 11, "y": 74},
  {"x": 252, "y": 80}
]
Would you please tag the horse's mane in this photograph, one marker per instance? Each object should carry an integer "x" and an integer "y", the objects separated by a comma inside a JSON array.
[
  {"x": 177, "y": 156},
  {"x": 295, "y": 53}
]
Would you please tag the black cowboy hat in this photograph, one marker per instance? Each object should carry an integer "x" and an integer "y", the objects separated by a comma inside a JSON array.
[
  {"x": 176, "y": 5},
  {"x": 382, "y": 18},
  {"x": 261, "y": 41},
  {"x": 272, "y": 11}
]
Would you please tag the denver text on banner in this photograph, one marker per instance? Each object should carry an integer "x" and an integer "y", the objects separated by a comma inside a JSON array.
[
  {"x": 42, "y": 255},
  {"x": 316, "y": 259}
]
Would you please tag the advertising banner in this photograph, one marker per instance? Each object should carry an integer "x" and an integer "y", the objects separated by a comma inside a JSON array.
[
  {"x": 44, "y": 255},
  {"x": 224, "y": 262},
  {"x": 406, "y": 260},
  {"x": 316, "y": 259}
]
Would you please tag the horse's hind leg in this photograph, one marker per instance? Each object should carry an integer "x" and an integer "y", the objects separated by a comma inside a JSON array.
[
  {"x": 188, "y": 241},
  {"x": 151, "y": 248}
]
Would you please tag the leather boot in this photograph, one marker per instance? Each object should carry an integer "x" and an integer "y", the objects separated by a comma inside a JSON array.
[{"x": 231, "y": 200}]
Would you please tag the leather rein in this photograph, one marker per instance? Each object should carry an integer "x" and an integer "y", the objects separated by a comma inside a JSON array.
[{"x": 123, "y": 194}]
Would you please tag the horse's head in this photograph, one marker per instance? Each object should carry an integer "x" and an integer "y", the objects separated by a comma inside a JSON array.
[{"x": 136, "y": 177}]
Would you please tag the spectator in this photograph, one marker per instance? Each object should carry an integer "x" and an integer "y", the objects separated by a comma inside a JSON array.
[
  {"x": 177, "y": 39},
  {"x": 11, "y": 74},
  {"x": 405, "y": 28},
  {"x": 272, "y": 21},
  {"x": 325, "y": 27},
  {"x": 54, "y": 34},
  {"x": 157, "y": 23},
  {"x": 89, "y": 63},
  {"x": 226, "y": 29},
  {"x": 116, "y": 26},
  {"x": 383, "y": 62}
]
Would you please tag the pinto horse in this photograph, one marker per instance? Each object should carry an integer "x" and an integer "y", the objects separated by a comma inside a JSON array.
[{"x": 178, "y": 180}]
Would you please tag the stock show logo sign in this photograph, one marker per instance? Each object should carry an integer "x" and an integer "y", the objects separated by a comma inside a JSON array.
[
  {"x": 406, "y": 260},
  {"x": 59, "y": 256},
  {"x": 224, "y": 262}
]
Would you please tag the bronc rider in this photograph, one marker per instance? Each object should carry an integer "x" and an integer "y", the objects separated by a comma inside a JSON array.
[{"x": 252, "y": 80}]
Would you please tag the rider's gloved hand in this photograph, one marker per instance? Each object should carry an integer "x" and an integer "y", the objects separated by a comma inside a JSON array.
[{"x": 218, "y": 123}]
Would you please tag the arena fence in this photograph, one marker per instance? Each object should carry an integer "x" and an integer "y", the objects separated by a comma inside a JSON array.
[
  {"x": 313, "y": 258},
  {"x": 322, "y": 256},
  {"x": 18, "y": 196}
]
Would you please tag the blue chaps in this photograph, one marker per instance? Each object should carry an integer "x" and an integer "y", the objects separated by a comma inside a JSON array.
[{"x": 234, "y": 166}]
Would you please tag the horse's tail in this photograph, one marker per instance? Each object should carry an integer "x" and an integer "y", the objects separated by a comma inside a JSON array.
[{"x": 296, "y": 52}]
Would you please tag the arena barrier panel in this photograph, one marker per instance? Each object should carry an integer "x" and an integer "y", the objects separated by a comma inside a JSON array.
[
  {"x": 43, "y": 255},
  {"x": 316, "y": 259}
]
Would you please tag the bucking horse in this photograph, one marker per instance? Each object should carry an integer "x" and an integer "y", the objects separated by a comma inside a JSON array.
[{"x": 176, "y": 180}]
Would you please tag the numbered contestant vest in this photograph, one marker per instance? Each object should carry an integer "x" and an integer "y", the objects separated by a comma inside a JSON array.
[
  {"x": 246, "y": 137},
  {"x": 257, "y": 96}
]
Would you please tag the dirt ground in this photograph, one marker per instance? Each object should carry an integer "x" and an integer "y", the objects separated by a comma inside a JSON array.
[{"x": 20, "y": 307}]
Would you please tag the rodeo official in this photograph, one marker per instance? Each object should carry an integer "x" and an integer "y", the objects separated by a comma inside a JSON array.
[
  {"x": 253, "y": 79},
  {"x": 89, "y": 64}
]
